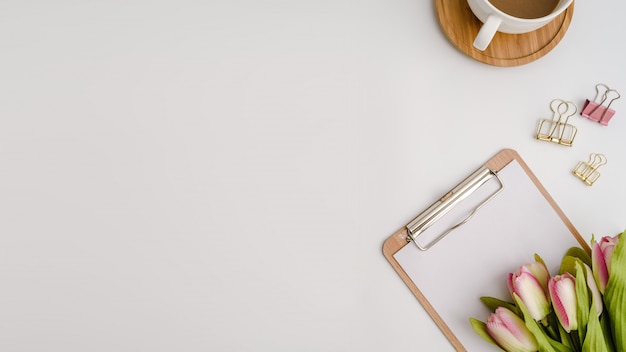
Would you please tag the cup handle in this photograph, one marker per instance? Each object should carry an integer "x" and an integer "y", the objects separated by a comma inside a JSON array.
[{"x": 486, "y": 33}]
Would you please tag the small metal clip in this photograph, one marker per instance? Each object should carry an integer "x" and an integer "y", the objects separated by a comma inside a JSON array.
[
  {"x": 558, "y": 130},
  {"x": 595, "y": 110},
  {"x": 449, "y": 201},
  {"x": 588, "y": 171}
]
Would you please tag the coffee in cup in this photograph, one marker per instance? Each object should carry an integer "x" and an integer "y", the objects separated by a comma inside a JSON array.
[
  {"x": 513, "y": 16},
  {"x": 526, "y": 8}
]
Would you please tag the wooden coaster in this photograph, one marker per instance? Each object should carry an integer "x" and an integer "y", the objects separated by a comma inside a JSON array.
[{"x": 461, "y": 26}]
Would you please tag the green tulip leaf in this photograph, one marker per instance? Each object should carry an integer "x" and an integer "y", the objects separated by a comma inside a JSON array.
[
  {"x": 568, "y": 265},
  {"x": 565, "y": 344},
  {"x": 481, "y": 329},
  {"x": 615, "y": 295},
  {"x": 579, "y": 253},
  {"x": 607, "y": 331},
  {"x": 543, "y": 341},
  {"x": 594, "y": 339},
  {"x": 539, "y": 259},
  {"x": 582, "y": 301},
  {"x": 493, "y": 303},
  {"x": 559, "y": 347}
]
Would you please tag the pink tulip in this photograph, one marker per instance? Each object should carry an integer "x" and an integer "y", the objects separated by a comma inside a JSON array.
[
  {"x": 530, "y": 283},
  {"x": 601, "y": 253},
  {"x": 509, "y": 331},
  {"x": 563, "y": 294}
]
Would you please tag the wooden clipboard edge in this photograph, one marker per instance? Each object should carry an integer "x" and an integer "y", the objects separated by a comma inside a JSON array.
[
  {"x": 503, "y": 158},
  {"x": 398, "y": 240},
  {"x": 393, "y": 244}
]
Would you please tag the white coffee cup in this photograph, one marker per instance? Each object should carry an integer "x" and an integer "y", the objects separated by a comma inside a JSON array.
[{"x": 494, "y": 20}]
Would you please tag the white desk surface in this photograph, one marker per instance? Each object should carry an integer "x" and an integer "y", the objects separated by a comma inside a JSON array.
[{"x": 221, "y": 175}]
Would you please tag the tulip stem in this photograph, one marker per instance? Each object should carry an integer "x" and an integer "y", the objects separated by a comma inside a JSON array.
[
  {"x": 575, "y": 341},
  {"x": 549, "y": 323}
]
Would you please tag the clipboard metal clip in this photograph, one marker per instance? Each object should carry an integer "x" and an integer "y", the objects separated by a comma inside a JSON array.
[{"x": 446, "y": 203}]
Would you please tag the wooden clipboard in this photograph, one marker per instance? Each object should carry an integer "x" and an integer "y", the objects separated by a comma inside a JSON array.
[{"x": 416, "y": 262}]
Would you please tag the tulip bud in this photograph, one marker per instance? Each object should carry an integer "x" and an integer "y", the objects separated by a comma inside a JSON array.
[
  {"x": 509, "y": 331},
  {"x": 601, "y": 253},
  {"x": 530, "y": 284},
  {"x": 563, "y": 294}
]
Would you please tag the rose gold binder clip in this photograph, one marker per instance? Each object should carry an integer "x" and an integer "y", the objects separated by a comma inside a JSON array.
[
  {"x": 588, "y": 171},
  {"x": 557, "y": 130},
  {"x": 596, "y": 110}
]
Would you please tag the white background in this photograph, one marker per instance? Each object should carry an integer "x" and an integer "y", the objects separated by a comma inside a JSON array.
[{"x": 221, "y": 175}]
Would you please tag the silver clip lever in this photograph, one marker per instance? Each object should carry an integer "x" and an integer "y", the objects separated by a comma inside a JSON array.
[{"x": 446, "y": 203}]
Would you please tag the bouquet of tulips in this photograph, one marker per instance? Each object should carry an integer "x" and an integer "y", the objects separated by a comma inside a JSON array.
[{"x": 583, "y": 308}]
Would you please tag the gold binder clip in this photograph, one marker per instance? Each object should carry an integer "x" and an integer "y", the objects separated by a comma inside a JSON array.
[
  {"x": 588, "y": 171},
  {"x": 558, "y": 130}
]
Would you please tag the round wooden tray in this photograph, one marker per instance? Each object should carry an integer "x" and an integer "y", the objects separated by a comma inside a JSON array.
[{"x": 461, "y": 26}]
